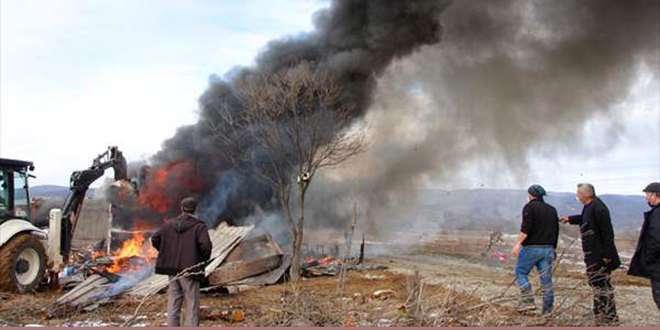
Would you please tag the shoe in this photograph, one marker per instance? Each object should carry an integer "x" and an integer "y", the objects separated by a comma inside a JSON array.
[{"x": 526, "y": 306}]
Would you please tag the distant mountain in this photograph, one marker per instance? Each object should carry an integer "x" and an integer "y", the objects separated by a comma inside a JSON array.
[
  {"x": 481, "y": 209},
  {"x": 53, "y": 191},
  {"x": 501, "y": 209}
]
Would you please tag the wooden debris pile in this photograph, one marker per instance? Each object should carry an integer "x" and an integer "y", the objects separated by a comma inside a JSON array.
[{"x": 100, "y": 286}]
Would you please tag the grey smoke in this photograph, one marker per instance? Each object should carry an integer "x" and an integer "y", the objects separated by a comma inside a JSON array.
[
  {"x": 355, "y": 40},
  {"x": 509, "y": 78},
  {"x": 497, "y": 80}
]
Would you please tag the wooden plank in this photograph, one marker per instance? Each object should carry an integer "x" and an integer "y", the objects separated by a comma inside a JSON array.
[
  {"x": 82, "y": 292},
  {"x": 254, "y": 248},
  {"x": 266, "y": 278},
  {"x": 90, "y": 297},
  {"x": 81, "y": 288},
  {"x": 239, "y": 270}
]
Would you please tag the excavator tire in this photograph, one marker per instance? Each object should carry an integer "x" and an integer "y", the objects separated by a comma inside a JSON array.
[{"x": 22, "y": 264}]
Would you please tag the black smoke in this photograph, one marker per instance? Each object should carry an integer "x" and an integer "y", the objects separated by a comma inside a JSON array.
[
  {"x": 355, "y": 40},
  {"x": 511, "y": 79},
  {"x": 497, "y": 80}
]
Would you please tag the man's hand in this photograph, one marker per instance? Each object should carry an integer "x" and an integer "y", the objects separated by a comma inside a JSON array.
[
  {"x": 607, "y": 261},
  {"x": 564, "y": 219},
  {"x": 515, "y": 251}
]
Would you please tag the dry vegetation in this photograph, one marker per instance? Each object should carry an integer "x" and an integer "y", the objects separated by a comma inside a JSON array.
[{"x": 462, "y": 287}]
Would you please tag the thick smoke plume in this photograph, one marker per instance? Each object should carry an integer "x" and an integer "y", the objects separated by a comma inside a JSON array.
[
  {"x": 355, "y": 40},
  {"x": 442, "y": 86},
  {"x": 509, "y": 78}
]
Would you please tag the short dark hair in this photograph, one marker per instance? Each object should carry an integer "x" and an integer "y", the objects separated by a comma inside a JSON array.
[{"x": 189, "y": 205}]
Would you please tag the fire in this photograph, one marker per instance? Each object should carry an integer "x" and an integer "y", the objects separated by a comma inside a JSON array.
[
  {"x": 134, "y": 247},
  {"x": 97, "y": 254},
  {"x": 165, "y": 187}
]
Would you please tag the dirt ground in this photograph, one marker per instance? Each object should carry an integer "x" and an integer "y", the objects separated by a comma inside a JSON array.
[{"x": 458, "y": 284}]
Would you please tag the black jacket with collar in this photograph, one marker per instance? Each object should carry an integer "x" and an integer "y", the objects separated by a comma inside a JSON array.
[
  {"x": 597, "y": 236},
  {"x": 646, "y": 261}
]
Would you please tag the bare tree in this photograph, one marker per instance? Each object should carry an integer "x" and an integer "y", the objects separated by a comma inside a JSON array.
[{"x": 290, "y": 124}]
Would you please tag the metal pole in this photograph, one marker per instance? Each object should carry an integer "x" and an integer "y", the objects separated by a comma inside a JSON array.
[{"x": 109, "y": 239}]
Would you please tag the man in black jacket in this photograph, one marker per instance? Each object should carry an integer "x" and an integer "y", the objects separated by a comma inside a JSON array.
[
  {"x": 600, "y": 253},
  {"x": 535, "y": 247},
  {"x": 184, "y": 247},
  {"x": 646, "y": 261}
]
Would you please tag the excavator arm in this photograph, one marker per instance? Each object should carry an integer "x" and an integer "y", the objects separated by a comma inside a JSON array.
[{"x": 80, "y": 182}]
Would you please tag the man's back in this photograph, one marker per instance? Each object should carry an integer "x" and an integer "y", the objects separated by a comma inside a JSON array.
[
  {"x": 181, "y": 244},
  {"x": 540, "y": 223}
]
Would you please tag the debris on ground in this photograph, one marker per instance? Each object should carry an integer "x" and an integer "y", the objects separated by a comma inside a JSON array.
[
  {"x": 129, "y": 272},
  {"x": 331, "y": 266},
  {"x": 227, "y": 314},
  {"x": 383, "y": 294},
  {"x": 373, "y": 276},
  {"x": 251, "y": 257}
]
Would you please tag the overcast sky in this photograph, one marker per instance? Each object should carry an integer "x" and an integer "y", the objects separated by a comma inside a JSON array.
[{"x": 78, "y": 76}]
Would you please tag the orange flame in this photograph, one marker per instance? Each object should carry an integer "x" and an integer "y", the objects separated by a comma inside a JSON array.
[
  {"x": 134, "y": 247},
  {"x": 181, "y": 174}
]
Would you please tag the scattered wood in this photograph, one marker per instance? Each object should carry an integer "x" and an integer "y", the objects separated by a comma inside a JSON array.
[
  {"x": 239, "y": 270},
  {"x": 224, "y": 239},
  {"x": 90, "y": 292},
  {"x": 251, "y": 257}
]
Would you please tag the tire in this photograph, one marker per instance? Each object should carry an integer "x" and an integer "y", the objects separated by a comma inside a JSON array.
[{"x": 22, "y": 264}]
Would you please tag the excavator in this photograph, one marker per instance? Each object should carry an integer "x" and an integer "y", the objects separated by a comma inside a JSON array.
[{"x": 30, "y": 255}]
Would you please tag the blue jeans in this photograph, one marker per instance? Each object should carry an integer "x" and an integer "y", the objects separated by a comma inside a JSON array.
[{"x": 542, "y": 257}]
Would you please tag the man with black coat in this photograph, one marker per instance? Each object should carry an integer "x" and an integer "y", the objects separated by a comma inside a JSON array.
[
  {"x": 600, "y": 253},
  {"x": 646, "y": 261},
  {"x": 184, "y": 247}
]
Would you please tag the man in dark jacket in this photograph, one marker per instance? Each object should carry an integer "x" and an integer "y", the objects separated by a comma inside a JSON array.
[
  {"x": 184, "y": 247},
  {"x": 535, "y": 247},
  {"x": 646, "y": 261},
  {"x": 600, "y": 253}
]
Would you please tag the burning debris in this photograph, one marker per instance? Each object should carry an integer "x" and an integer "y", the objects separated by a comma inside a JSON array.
[{"x": 131, "y": 269}]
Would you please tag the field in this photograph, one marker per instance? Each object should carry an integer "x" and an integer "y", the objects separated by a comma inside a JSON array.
[{"x": 446, "y": 279}]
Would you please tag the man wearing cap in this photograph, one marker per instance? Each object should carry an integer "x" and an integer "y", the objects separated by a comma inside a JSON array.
[
  {"x": 184, "y": 246},
  {"x": 600, "y": 254},
  {"x": 535, "y": 247},
  {"x": 646, "y": 261}
]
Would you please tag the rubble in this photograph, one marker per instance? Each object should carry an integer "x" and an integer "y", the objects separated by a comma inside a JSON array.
[
  {"x": 224, "y": 238},
  {"x": 373, "y": 276},
  {"x": 228, "y": 314},
  {"x": 250, "y": 258},
  {"x": 383, "y": 294},
  {"x": 331, "y": 266},
  {"x": 102, "y": 285}
]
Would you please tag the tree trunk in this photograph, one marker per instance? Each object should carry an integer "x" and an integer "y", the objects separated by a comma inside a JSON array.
[{"x": 294, "y": 271}]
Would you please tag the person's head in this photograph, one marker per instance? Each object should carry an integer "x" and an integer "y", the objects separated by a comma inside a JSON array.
[
  {"x": 189, "y": 205},
  {"x": 585, "y": 193},
  {"x": 653, "y": 193},
  {"x": 535, "y": 192}
]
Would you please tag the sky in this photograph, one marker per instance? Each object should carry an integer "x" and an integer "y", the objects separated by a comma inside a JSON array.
[{"x": 78, "y": 76}]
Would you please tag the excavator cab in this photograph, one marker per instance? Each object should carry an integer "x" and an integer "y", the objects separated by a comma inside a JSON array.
[
  {"x": 22, "y": 253},
  {"x": 14, "y": 191}
]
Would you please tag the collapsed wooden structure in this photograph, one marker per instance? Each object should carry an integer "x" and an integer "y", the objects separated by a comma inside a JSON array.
[{"x": 235, "y": 261}]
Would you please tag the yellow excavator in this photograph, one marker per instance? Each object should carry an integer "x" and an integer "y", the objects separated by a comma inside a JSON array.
[{"x": 30, "y": 255}]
